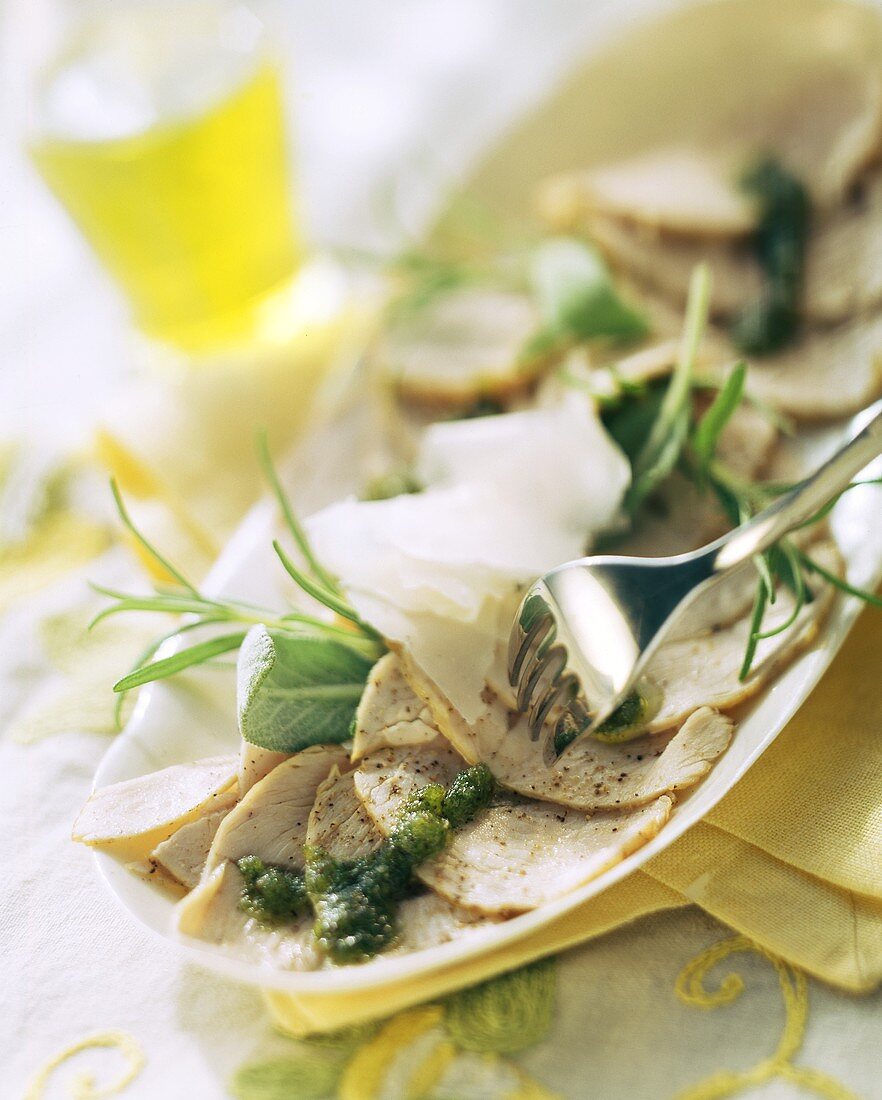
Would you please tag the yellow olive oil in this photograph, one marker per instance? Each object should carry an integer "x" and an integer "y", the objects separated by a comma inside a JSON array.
[{"x": 192, "y": 216}]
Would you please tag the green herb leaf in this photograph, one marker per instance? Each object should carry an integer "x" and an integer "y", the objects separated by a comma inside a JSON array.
[
  {"x": 293, "y": 692},
  {"x": 647, "y": 480},
  {"x": 184, "y": 658},
  {"x": 576, "y": 296},
  {"x": 795, "y": 579},
  {"x": 149, "y": 603},
  {"x": 629, "y": 421},
  {"x": 144, "y": 542},
  {"x": 772, "y": 321},
  {"x": 710, "y": 427},
  {"x": 756, "y": 623},
  {"x": 145, "y": 656},
  {"x": 839, "y": 582},
  {"x": 662, "y": 448},
  {"x": 822, "y": 513},
  {"x": 332, "y": 601},
  {"x": 291, "y": 521}
]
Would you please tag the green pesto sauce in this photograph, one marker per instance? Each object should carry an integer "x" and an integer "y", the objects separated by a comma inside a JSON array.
[
  {"x": 272, "y": 894},
  {"x": 355, "y": 902},
  {"x": 772, "y": 321},
  {"x": 624, "y": 720}
]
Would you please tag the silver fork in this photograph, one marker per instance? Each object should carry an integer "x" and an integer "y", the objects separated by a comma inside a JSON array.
[{"x": 586, "y": 631}]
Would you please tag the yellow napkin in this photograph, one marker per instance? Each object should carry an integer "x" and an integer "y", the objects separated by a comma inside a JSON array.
[{"x": 791, "y": 857}]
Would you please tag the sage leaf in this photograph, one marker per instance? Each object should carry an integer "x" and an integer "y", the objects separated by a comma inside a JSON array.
[
  {"x": 293, "y": 692},
  {"x": 576, "y": 295}
]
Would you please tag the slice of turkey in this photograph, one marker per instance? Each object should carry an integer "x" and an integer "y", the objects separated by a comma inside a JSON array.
[
  {"x": 185, "y": 853},
  {"x": 271, "y": 819},
  {"x": 338, "y": 822},
  {"x": 389, "y": 713},
  {"x": 679, "y": 191},
  {"x": 256, "y": 763},
  {"x": 827, "y": 131},
  {"x": 827, "y": 375},
  {"x": 843, "y": 276},
  {"x": 518, "y": 853},
  {"x": 590, "y": 775},
  {"x": 465, "y": 345},
  {"x": 666, "y": 266},
  {"x": 844, "y": 263},
  {"x": 129, "y": 819}
]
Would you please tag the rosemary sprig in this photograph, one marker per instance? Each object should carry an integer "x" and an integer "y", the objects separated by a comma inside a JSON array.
[
  {"x": 710, "y": 427},
  {"x": 336, "y": 603},
  {"x": 145, "y": 544},
  {"x": 184, "y": 658},
  {"x": 785, "y": 563},
  {"x": 292, "y": 523},
  {"x": 185, "y": 598},
  {"x": 661, "y": 450}
]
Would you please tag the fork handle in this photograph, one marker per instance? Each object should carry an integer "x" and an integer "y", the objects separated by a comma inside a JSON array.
[{"x": 802, "y": 502}]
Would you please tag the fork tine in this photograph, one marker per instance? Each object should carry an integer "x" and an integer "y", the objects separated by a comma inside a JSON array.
[
  {"x": 563, "y": 688},
  {"x": 526, "y": 639},
  {"x": 541, "y": 678},
  {"x": 546, "y": 660}
]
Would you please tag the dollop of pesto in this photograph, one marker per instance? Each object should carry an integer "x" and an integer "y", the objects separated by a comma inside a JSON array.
[
  {"x": 355, "y": 902},
  {"x": 624, "y": 723},
  {"x": 272, "y": 894},
  {"x": 467, "y": 795}
]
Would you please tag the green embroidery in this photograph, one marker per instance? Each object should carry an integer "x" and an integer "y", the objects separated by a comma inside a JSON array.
[
  {"x": 497, "y": 1017},
  {"x": 506, "y": 1014},
  {"x": 345, "y": 1041},
  {"x": 311, "y": 1075},
  {"x": 310, "y": 1072}
]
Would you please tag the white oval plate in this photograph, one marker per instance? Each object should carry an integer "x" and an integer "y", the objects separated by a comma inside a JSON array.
[{"x": 195, "y": 715}]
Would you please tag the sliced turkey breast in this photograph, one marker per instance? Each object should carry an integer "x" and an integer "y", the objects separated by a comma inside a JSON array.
[
  {"x": 389, "y": 713},
  {"x": 131, "y": 818},
  {"x": 185, "y": 853},
  {"x": 517, "y": 854},
  {"x": 341, "y": 824},
  {"x": 271, "y": 820}
]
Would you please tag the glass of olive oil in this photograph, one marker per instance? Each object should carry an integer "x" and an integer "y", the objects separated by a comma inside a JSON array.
[{"x": 161, "y": 129}]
